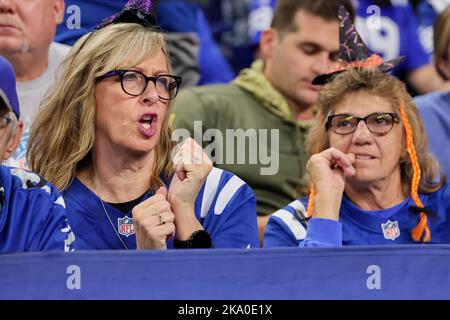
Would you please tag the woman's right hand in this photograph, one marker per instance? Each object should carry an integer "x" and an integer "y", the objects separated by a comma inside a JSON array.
[
  {"x": 327, "y": 171},
  {"x": 329, "y": 168},
  {"x": 153, "y": 221}
]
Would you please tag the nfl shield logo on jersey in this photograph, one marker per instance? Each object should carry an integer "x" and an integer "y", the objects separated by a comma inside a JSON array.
[
  {"x": 125, "y": 226},
  {"x": 391, "y": 231}
]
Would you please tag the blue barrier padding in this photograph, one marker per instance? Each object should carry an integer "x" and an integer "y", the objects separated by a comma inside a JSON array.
[{"x": 394, "y": 272}]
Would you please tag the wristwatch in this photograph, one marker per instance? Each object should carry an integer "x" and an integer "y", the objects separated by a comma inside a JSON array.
[{"x": 198, "y": 239}]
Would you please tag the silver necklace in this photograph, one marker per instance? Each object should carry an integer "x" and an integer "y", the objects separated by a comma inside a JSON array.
[
  {"x": 108, "y": 217},
  {"x": 112, "y": 224}
]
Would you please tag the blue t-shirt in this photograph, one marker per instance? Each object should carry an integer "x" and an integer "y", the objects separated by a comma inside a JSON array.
[
  {"x": 427, "y": 12},
  {"x": 225, "y": 206},
  {"x": 32, "y": 214},
  {"x": 434, "y": 109},
  {"x": 82, "y": 16},
  {"x": 392, "y": 31},
  {"x": 260, "y": 18},
  {"x": 288, "y": 227}
]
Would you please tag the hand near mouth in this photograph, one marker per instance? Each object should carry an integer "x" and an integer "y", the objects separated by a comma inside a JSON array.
[{"x": 327, "y": 171}]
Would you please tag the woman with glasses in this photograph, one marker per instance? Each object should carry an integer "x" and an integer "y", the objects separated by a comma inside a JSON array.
[
  {"x": 374, "y": 180},
  {"x": 102, "y": 137}
]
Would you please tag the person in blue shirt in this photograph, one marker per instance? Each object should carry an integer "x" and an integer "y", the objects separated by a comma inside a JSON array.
[
  {"x": 103, "y": 138},
  {"x": 194, "y": 52},
  {"x": 434, "y": 108},
  {"x": 426, "y": 12},
  {"x": 389, "y": 27},
  {"x": 260, "y": 18},
  {"x": 373, "y": 178},
  {"x": 32, "y": 214}
]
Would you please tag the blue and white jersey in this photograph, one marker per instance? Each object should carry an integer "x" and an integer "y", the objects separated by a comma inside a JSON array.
[
  {"x": 288, "y": 227},
  {"x": 260, "y": 18},
  {"x": 427, "y": 12},
  {"x": 32, "y": 214},
  {"x": 225, "y": 206},
  {"x": 392, "y": 31}
]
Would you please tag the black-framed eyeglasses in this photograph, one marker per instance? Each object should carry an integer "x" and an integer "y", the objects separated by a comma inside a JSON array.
[
  {"x": 379, "y": 123},
  {"x": 135, "y": 83}
]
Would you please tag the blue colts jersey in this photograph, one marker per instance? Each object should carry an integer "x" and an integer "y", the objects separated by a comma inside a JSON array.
[
  {"x": 33, "y": 216},
  {"x": 288, "y": 227},
  {"x": 225, "y": 206}
]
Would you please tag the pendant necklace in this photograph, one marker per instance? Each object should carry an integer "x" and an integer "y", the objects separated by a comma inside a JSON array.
[{"x": 108, "y": 217}]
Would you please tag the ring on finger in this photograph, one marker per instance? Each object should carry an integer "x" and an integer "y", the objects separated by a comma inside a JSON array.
[{"x": 161, "y": 219}]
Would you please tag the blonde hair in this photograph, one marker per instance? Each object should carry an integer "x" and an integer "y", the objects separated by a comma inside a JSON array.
[
  {"x": 419, "y": 171},
  {"x": 63, "y": 133}
]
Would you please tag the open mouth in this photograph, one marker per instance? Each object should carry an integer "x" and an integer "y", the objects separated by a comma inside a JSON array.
[
  {"x": 148, "y": 124},
  {"x": 147, "y": 120}
]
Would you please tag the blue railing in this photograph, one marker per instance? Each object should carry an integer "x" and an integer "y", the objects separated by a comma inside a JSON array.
[{"x": 396, "y": 272}]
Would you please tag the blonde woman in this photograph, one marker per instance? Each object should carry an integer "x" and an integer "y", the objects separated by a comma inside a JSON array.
[{"x": 103, "y": 138}]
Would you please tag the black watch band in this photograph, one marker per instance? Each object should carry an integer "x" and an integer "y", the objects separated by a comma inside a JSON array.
[{"x": 198, "y": 239}]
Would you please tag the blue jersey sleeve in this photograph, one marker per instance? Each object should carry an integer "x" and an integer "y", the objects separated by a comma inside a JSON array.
[
  {"x": 54, "y": 233},
  {"x": 226, "y": 207},
  {"x": 323, "y": 233},
  {"x": 278, "y": 234},
  {"x": 238, "y": 227},
  {"x": 288, "y": 228},
  {"x": 37, "y": 219}
]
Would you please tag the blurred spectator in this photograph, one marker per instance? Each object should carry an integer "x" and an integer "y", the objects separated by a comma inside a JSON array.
[
  {"x": 229, "y": 24},
  {"x": 260, "y": 17},
  {"x": 435, "y": 108},
  {"x": 426, "y": 13},
  {"x": 390, "y": 29},
  {"x": 194, "y": 54},
  {"x": 32, "y": 212},
  {"x": 27, "y": 29}
]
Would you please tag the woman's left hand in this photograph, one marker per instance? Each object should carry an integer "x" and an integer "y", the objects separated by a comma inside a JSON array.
[{"x": 192, "y": 166}]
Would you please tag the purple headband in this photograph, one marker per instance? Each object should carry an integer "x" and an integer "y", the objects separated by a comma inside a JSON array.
[{"x": 142, "y": 12}]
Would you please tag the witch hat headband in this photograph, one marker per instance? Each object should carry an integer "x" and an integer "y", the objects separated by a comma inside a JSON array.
[
  {"x": 353, "y": 52},
  {"x": 142, "y": 12}
]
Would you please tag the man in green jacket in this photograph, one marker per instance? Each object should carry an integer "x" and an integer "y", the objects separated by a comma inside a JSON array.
[{"x": 256, "y": 126}]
